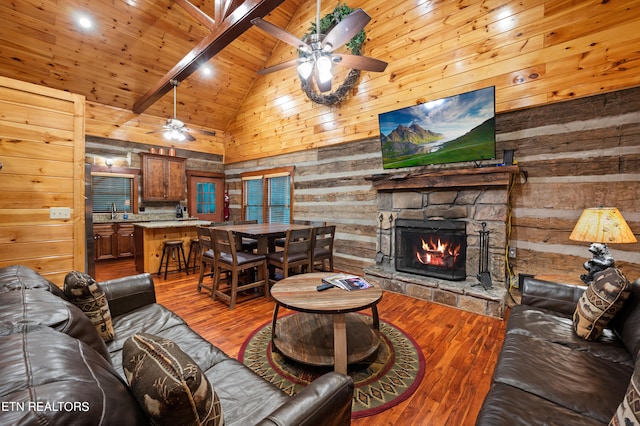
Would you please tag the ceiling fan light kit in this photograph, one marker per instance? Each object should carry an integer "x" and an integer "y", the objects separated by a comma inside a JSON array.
[{"x": 316, "y": 52}]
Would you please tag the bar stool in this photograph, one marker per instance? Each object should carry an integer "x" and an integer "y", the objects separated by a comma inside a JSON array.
[
  {"x": 169, "y": 249},
  {"x": 194, "y": 248}
]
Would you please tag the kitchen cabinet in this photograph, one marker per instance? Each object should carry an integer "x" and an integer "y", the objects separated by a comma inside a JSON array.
[
  {"x": 113, "y": 240},
  {"x": 163, "y": 178}
]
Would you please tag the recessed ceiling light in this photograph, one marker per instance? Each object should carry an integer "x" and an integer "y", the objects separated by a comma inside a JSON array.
[
  {"x": 84, "y": 21},
  {"x": 207, "y": 71}
]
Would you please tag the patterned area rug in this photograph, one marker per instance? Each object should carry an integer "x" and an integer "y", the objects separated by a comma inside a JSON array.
[{"x": 382, "y": 381}]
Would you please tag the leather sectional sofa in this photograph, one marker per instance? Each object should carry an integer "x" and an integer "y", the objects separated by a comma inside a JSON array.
[
  {"x": 547, "y": 375},
  {"x": 56, "y": 369}
]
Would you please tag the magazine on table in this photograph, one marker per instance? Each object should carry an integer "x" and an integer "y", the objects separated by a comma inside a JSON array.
[{"x": 347, "y": 282}]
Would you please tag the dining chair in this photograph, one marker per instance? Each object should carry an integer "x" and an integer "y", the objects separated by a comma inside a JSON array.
[
  {"x": 206, "y": 256},
  {"x": 229, "y": 259},
  {"x": 280, "y": 241},
  {"x": 296, "y": 253},
  {"x": 248, "y": 244},
  {"x": 322, "y": 247}
]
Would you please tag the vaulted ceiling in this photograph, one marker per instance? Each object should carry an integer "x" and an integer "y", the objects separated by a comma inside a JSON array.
[{"x": 135, "y": 46}]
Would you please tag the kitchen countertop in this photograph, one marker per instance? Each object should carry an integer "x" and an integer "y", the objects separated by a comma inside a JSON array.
[{"x": 178, "y": 223}]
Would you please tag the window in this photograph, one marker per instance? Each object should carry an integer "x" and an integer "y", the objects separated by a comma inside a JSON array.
[
  {"x": 111, "y": 188},
  {"x": 267, "y": 195},
  {"x": 206, "y": 198}
]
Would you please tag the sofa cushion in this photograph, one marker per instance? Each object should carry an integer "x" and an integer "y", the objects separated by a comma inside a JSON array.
[
  {"x": 49, "y": 378},
  {"x": 628, "y": 412},
  {"x": 168, "y": 384},
  {"x": 602, "y": 299},
  {"x": 157, "y": 320},
  {"x": 36, "y": 307},
  {"x": 558, "y": 328},
  {"x": 84, "y": 292},
  {"x": 573, "y": 379},
  {"x": 18, "y": 277},
  {"x": 626, "y": 321},
  {"x": 506, "y": 405}
]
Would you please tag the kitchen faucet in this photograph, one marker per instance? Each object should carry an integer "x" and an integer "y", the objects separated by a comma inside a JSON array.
[{"x": 114, "y": 210}]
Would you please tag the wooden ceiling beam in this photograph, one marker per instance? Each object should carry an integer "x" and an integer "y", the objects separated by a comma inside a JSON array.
[
  {"x": 224, "y": 34},
  {"x": 198, "y": 14}
]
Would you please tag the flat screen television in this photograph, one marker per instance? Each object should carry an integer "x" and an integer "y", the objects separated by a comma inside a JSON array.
[{"x": 449, "y": 130}]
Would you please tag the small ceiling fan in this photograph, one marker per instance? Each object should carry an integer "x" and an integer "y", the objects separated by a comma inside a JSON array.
[
  {"x": 175, "y": 129},
  {"x": 317, "y": 54}
]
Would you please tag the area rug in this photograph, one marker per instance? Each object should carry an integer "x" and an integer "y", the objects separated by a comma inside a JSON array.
[{"x": 382, "y": 381}]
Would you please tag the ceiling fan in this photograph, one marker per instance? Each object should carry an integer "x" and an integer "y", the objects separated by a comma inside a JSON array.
[
  {"x": 317, "y": 54},
  {"x": 175, "y": 129}
]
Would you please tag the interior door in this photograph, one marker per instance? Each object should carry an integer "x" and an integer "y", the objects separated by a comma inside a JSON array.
[{"x": 206, "y": 197}]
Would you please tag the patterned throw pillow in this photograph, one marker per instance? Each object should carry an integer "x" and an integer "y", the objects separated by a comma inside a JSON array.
[
  {"x": 628, "y": 412},
  {"x": 600, "y": 302},
  {"x": 84, "y": 292},
  {"x": 168, "y": 384}
]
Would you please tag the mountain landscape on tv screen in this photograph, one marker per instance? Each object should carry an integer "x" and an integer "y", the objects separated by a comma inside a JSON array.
[
  {"x": 415, "y": 146},
  {"x": 449, "y": 130}
]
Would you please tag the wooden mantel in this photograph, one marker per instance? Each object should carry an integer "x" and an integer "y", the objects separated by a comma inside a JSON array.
[{"x": 449, "y": 178}]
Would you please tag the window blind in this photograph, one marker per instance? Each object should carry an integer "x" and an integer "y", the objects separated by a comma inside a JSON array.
[
  {"x": 111, "y": 189},
  {"x": 253, "y": 199},
  {"x": 279, "y": 203}
]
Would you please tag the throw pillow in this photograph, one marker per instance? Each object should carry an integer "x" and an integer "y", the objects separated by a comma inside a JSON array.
[
  {"x": 84, "y": 292},
  {"x": 600, "y": 302},
  {"x": 628, "y": 412},
  {"x": 168, "y": 384}
]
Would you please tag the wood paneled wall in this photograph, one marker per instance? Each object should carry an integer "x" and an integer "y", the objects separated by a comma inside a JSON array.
[
  {"x": 535, "y": 52},
  {"x": 42, "y": 152},
  {"x": 575, "y": 154}
]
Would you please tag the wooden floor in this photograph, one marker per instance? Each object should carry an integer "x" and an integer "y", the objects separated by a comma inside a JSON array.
[{"x": 460, "y": 348}]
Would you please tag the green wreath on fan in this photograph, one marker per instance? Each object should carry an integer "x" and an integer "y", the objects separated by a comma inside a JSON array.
[{"x": 355, "y": 47}]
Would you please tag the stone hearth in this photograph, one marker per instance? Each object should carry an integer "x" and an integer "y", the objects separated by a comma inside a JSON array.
[{"x": 475, "y": 196}]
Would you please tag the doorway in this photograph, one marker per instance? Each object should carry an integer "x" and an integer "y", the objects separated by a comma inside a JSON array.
[{"x": 206, "y": 195}]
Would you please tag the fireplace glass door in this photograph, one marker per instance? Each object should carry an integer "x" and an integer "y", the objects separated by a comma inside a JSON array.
[{"x": 433, "y": 248}]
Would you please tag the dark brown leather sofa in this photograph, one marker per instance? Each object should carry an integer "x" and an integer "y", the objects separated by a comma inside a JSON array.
[
  {"x": 57, "y": 370},
  {"x": 547, "y": 375}
]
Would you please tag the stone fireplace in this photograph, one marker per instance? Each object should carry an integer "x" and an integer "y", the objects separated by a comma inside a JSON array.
[{"x": 429, "y": 236}]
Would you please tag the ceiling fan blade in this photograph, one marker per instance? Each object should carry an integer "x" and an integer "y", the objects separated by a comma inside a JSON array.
[
  {"x": 202, "y": 132},
  {"x": 188, "y": 136},
  {"x": 357, "y": 62},
  {"x": 280, "y": 34},
  {"x": 279, "y": 67},
  {"x": 346, "y": 29}
]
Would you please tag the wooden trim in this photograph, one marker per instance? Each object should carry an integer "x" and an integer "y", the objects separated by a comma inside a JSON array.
[
  {"x": 192, "y": 173},
  {"x": 478, "y": 176},
  {"x": 265, "y": 172}
]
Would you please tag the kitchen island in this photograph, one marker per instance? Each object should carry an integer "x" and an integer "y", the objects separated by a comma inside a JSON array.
[{"x": 150, "y": 235}]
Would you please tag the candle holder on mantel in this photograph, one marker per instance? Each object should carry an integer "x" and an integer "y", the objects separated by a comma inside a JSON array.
[{"x": 601, "y": 225}]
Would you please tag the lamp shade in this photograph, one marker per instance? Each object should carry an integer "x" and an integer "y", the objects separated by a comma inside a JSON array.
[{"x": 602, "y": 225}]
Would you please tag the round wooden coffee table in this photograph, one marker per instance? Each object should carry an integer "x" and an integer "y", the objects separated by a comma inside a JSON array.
[{"x": 325, "y": 331}]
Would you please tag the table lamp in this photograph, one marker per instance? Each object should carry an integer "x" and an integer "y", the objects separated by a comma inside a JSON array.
[{"x": 601, "y": 225}]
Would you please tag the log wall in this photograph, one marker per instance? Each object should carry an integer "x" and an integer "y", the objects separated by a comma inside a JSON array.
[
  {"x": 42, "y": 153},
  {"x": 575, "y": 154}
]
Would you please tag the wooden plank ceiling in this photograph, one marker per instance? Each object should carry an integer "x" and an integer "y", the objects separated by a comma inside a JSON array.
[{"x": 132, "y": 47}]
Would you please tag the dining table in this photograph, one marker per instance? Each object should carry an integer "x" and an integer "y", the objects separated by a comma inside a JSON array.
[{"x": 264, "y": 233}]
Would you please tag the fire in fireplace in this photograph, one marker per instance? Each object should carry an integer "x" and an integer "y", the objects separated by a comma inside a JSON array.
[{"x": 432, "y": 248}]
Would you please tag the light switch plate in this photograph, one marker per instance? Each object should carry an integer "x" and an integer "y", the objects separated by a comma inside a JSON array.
[{"x": 59, "y": 213}]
